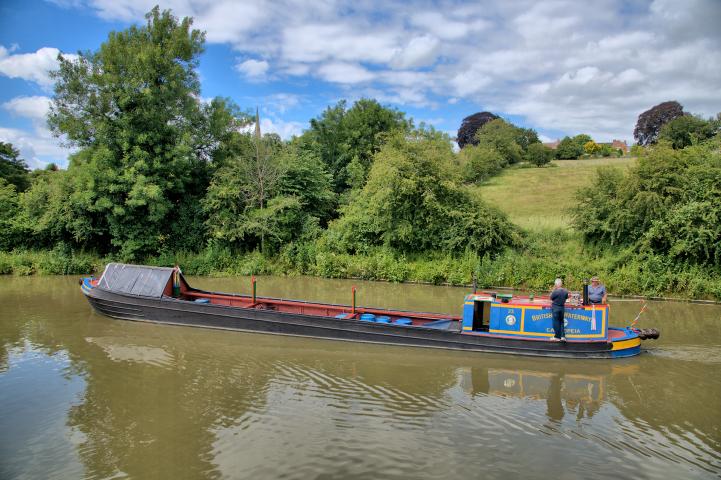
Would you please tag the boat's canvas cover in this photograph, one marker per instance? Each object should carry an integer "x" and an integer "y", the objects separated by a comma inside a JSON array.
[{"x": 135, "y": 279}]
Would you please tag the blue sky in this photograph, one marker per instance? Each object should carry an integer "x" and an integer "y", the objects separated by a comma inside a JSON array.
[{"x": 561, "y": 67}]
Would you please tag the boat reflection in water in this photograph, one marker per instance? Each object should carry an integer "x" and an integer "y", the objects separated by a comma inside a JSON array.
[{"x": 582, "y": 390}]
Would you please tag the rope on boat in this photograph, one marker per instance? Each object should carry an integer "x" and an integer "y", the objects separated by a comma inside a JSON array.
[
  {"x": 644, "y": 333},
  {"x": 643, "y": 309}
]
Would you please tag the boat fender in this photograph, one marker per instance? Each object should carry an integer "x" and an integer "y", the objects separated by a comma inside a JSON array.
[{"x": 647, "y": 333}]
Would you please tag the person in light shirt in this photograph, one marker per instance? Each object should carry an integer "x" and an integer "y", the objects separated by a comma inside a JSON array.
[{"x": 596, "y": 291}]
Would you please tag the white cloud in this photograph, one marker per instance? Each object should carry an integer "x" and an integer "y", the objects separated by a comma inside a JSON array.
[
  {"x": 253, "y": 69},
  {"x": 286, "y": 130},
  {"x": 562, "y": 65},
  {"x": 344, "y": 73},
  {"x": 420, "y": 52},
  {"x": 282, "y": 102},
  {"x": 35, "y": 108},
  {"x": 339, "y": 42},
  {"x": 446, "y": 28},
  {"x": 469, "y": 82},
  {"x": 38, "y": 147},
  {"x": 34, "y": 67},
  {"x": 226, "y": 21}
]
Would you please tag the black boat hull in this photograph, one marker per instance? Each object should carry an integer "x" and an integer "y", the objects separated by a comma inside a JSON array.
[{"x": 171, "y": 311}]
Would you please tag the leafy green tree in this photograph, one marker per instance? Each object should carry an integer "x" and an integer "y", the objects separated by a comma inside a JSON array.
[
  {"x": 580, "y": 140},
  {"x": 568, "y": 149},
  {"x": 8, "y": 213},
  {"x": 269, "y": 197},
  {"x": 667, "y": 204},
  {"x": 13, "y": 169},
  {"x": 133, "y": 110},
  {"x": 413, "y": 202},
  {"x": 605, "y": 150},
  {"x": 525, "y": 137},
  {"x": 50, "y": 211},
  {"x": 637, "y": 150},
  {"x": 688, "y": 129},
  {"x": 480, "y": 162},
  {"x": 341, "y": 135},
  {"x": 305, "y": 178},
  {"x": 539, "y": 154},
  {"x": 502, "y": 136}
]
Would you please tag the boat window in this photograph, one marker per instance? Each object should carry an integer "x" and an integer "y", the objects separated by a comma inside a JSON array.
[{"x": 481, "y": 315}]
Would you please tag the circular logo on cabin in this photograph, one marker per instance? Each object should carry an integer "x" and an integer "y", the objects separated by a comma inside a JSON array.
[{"x": 510, "y": 320}]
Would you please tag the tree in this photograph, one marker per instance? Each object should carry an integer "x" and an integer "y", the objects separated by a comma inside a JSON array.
[
  {"x": 605, "y": 150},
  {"x": 12, "y": 168},
  {"x": 591, "y": 147},
  {"x": 649, "y": 123},
  {"x": 480, "y": 162},
  {"x": 637, "y": 150},
  {"x": 242, "y": 208},
  {"x": 665, "y": 205},
  {"x": 413, "y": 202},
  {"x": 133, "y": 110},
  {"x": 688, "y": 129},
  {"x": 525, "y": 137},
  {"x": 568, "y": 149},
  {"x": 305, "y": 177},
  {"x": 341, "y": 135},
  {"x": 470, "y": 126},
  {"x": 8, "y": 213},
  {"x": 502, "y": 136},
  {"x": 539, "y": 154}
]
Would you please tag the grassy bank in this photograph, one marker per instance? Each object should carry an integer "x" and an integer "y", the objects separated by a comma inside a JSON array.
[
  {"x": 545, "y": 257},
  {"x": 536, "y": 198}
]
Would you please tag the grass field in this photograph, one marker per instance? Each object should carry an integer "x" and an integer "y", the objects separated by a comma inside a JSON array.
[{"x": 538, "y": 198}]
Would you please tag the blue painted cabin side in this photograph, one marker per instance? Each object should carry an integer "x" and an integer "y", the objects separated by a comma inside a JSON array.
[{"x": 526, "y": 318}]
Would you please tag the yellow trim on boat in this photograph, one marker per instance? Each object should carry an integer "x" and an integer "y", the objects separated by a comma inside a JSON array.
[{"x": 624, "y": 344}]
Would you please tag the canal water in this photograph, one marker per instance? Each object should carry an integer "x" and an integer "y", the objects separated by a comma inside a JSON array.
[{"x": 85, "y": 396}]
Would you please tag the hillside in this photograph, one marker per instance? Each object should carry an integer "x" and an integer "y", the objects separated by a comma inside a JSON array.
[{"x": 536, "y": 198}]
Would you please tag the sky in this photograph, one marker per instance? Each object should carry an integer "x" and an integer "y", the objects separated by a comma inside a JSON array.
[{"x": 560, "y": 67}]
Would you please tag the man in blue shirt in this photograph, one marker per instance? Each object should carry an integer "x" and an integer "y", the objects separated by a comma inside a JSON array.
[
  {"x": 596, "y": 291},
  {"x": 559, "y": 295}
]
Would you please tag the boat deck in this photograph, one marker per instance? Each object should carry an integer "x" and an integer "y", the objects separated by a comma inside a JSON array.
[{"x": 378, "y": 315}]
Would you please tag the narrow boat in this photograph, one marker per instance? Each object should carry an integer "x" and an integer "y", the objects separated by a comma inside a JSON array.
[{"x": 489, "y": 322}]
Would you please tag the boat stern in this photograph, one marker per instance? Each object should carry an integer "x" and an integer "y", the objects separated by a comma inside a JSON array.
[{"x": 625, "y": 342}]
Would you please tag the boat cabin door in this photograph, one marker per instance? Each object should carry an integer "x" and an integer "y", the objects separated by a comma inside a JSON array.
[{"x": 481, "y": 315}]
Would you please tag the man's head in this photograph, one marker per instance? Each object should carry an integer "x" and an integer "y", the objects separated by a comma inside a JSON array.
[
  {"x": 594, "y": 281},
  {"x": 558, "y": 283}
]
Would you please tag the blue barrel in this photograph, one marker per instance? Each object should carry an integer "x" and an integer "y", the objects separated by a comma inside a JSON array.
[
  {"x": 403, "y": 321},
  {"x": 383, "y": 319},
  {"x": 368, "y": 317}
]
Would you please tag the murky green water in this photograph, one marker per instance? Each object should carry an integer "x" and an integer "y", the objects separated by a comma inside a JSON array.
[{"x": 84, "y": 396}]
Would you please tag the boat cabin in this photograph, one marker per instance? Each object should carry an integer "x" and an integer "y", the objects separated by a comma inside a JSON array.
[{"x": 528, "y": 317}]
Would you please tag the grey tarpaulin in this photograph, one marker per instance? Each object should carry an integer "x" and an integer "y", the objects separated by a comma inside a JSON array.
[{"x": 135, "y": 279}]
